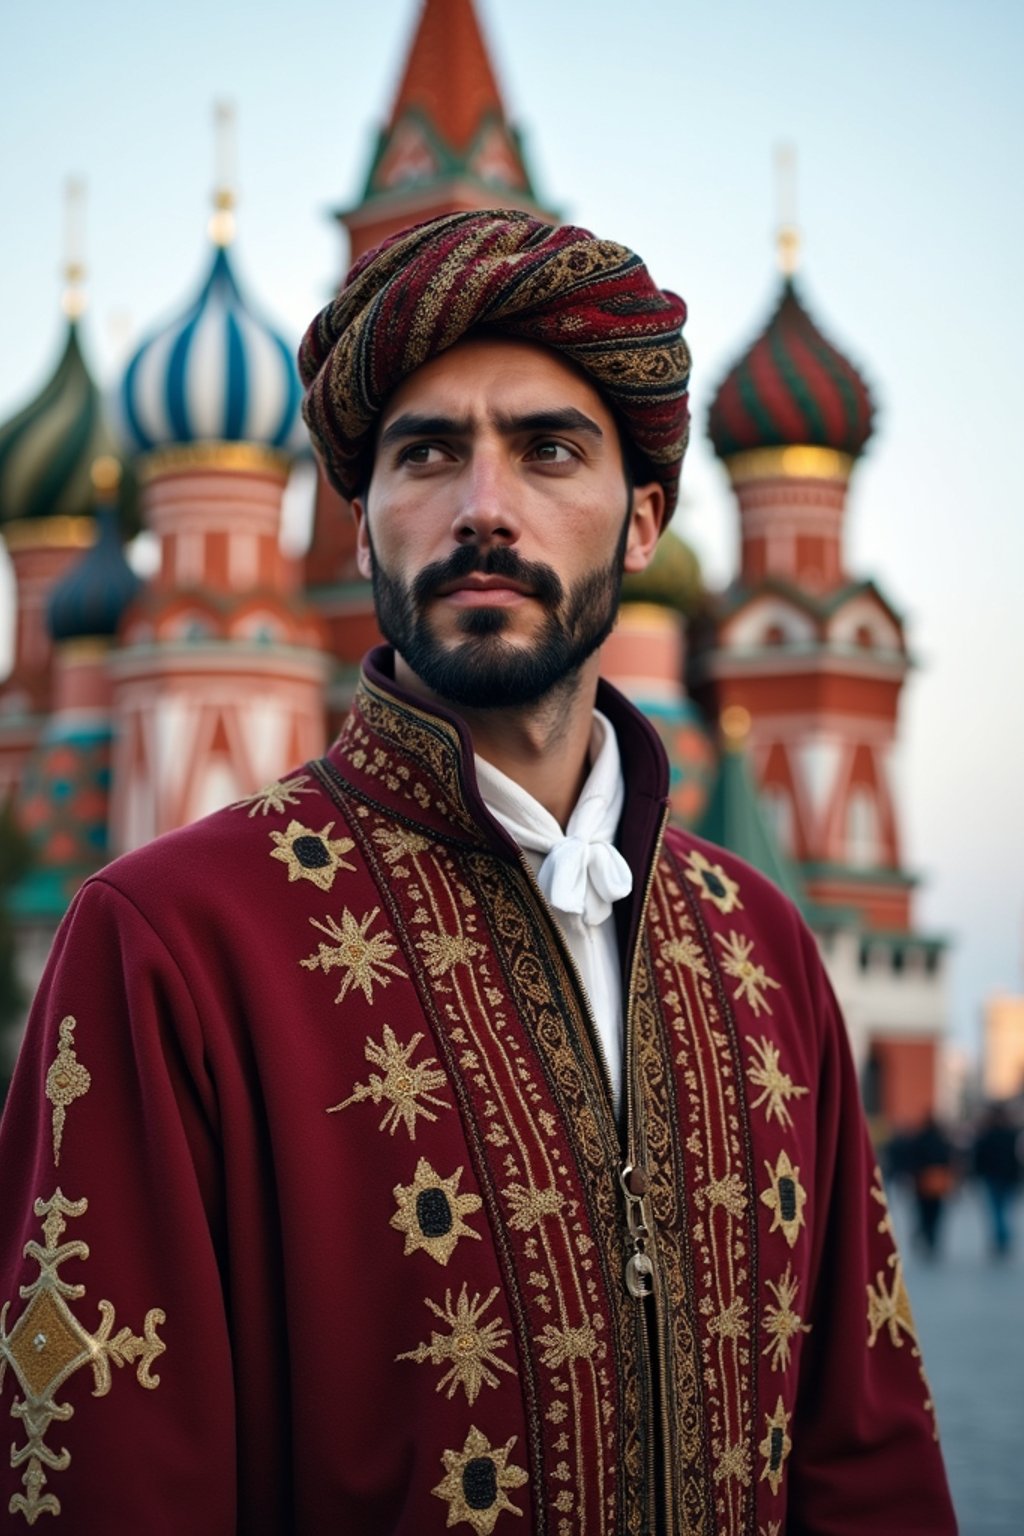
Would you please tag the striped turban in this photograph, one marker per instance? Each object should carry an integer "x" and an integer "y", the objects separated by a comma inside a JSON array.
[{"x": 504, "y": 273}]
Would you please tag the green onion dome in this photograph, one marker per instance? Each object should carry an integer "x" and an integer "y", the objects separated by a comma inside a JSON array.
[
  {"x": 47, "y": 449},
  {"x": 792, "y": 386},
  {"x": 673, "y": 578}
]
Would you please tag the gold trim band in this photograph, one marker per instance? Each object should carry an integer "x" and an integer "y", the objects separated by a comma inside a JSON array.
[
  {"x": 800, "y": 461},
  {"x": 181, "y": 457},
  {"x": 50, "y": 533}
]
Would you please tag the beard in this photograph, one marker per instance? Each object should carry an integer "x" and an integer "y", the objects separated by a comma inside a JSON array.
[{"x": 484, "y": 670}]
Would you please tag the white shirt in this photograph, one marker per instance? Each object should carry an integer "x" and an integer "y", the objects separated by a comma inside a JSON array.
[{"x": 581, "y": 874}]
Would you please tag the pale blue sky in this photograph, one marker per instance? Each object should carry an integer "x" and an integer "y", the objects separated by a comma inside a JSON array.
[{"x": 653, "y": 124}]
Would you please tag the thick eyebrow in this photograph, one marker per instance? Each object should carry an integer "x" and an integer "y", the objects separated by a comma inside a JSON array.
[{"x": 414, "y": 424}]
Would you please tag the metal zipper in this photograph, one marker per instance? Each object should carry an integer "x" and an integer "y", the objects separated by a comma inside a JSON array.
[{"x": 642, "y": 1278}]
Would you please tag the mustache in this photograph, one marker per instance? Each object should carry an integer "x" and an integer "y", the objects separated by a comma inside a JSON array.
[{"x": 468, "y": 559}]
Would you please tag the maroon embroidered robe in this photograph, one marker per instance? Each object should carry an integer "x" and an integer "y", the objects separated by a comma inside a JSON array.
[{"x": 316, "y": 1217}]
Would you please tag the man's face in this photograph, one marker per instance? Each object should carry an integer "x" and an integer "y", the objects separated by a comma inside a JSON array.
[{"x": 498, "y": 523}]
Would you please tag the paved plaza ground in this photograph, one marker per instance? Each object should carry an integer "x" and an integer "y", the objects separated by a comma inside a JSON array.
[{"x": 970, "y": 1318}]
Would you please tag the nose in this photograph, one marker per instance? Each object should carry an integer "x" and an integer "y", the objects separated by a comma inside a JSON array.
[{"x": 487, "y": 512}]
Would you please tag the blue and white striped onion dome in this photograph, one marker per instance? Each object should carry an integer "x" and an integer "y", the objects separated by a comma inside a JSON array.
[{"x": 218, "y": 373}]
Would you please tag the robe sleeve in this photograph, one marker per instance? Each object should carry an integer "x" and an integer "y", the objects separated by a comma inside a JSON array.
[
  {"x": 865, "y": 1454},
  {"x": 116, "y": 1386}
]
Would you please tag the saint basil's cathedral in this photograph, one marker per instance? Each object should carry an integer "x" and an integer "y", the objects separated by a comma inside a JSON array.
[{"x": 134, "y": 707}]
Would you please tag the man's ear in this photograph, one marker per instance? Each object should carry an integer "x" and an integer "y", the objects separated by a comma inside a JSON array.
[
  {"x": 364, "y": 550},
  {"x": 645, "y": 524}
]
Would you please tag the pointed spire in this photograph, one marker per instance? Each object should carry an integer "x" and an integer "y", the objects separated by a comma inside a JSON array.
[
  {"x": 448, "y": 75},
  {"x": 222, "y": 221},
  {"x": 73, "y": 300},
  {"x": 787, "y": 238}
]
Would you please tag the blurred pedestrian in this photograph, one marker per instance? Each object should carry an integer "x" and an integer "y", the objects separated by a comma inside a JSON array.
[
  {"x": 996, "y": 1163},
  {"x": 930, "y": 1163}
]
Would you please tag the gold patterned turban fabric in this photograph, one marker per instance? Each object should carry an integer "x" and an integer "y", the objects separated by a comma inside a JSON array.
[{"x": 508, "y": 274}]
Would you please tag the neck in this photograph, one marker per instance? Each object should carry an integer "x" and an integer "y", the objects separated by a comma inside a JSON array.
[{"x": 542, "y": 746}]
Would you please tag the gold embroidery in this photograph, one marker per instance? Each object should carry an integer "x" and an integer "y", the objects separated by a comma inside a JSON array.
[
  {"x": 66, "y": 1081},
  {"x": 365, "y": 961},
  {"x": 529, "y": 1206},
  {"x": 713, "y": 883},
  {"x": 781, "y": 1323},
  {"x": 885, "y": 1227},
  {"x": 785, "y": 1199},
  {"x": 775, "y": 1446},
  {"x": 48, "y": 1344},
  {"x": 442, "y": 951},
  {"x": 734, "y": 1462},
  {"x": 560, "y": 1345},
  {"x": 311, "y": 855},
  {"x": 736, "y": 962},
  {"x": 686, "y": 951},
  {"x": 475, "y": 1482},
  {"x": 776, "y": 1086},
  {"x": 730, "y": 1192},
  {"x": 430, "y": 1212},
  {"x": 731, "y": 1323},
  {"x": 275, "y": 796},
  {"x": 890, "y": 1308},
  {"x": 403, "y": 1085},
  {"x": 774, "y": 1527},
  {"x": 470, "y": 1346},
  {"x": 398, "y": 844}
]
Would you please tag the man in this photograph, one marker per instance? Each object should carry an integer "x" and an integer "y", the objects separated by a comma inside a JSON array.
[{"x": 435, "y": 1138}]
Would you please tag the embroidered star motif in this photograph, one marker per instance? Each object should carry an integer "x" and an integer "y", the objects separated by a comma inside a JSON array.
[
  {"x": 781, "y": 1323},
  {"x": 366, "y": 961},
  {"x": 890, "y": 1308},
  {"x": 713, "y": 883},
  {"x": 686, "y": 951},
  {"x": 310, "y": 855},
  {"x": 776, "y": 1086},
  {"x": 785, "y": 1198},
  {"x": 442, "y": 951},
  {"x": 734, "y": 1462},
  {"x": 275, "y": 796},
  {"x": 753, "y": 981},
  {"x": 402, "y": 1086},
  {"x": 476, "y": 1482},
  {"x": 529, "y": 1206},
  {"x": 471, "y": 1345},
  {"x": 775, "y": 1446},
  {"x": 560, "y": 1345},
  {"x": 431, "y": 1210}
]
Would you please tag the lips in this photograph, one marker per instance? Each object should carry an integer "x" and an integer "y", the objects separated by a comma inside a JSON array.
[{"x": 480, "y": 585}]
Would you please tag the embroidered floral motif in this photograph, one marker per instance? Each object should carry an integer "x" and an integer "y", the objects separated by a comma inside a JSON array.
[
  {"x": 561, "y": 1345},
  {"x": 885, "y": 1227},
  {"x": 66, "y": 1081},
  {"x": 775, "y": 1446},
  {"x": 736, "y": 962},
  {"x": 781, "y": 1323},
  {"x": 430, "y": 1212},
  {"x": 365, "y": 961},
  {"x": 713, "y": 883},
  {"x": 731, "y": 1322},
  {"x": 785, "y": 1198},
  {"x": 776, "y": 1086},
  {"x": 312, "y": 855},
  {"x": 403, "y": 1085},
  {"x": 890, "y": 1308},
  {"x": 686, "y": 951},
  {"x": 442, "y": 951},
  {"x": 734, "y": 1462},
  {"x": 470, "y": 1346},
  {"x": 399, "y": 844},
  {"x": 275, "y": 796},
  {"x": 730, "y": 1192},
  {"x": 529, "y": 1206},
  {"x": 475, "y": 1482},
  {"x": 48, "y": 1344}
]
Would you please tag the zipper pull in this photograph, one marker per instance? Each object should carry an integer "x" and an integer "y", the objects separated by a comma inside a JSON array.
[{"x": 639, "y": 1270}]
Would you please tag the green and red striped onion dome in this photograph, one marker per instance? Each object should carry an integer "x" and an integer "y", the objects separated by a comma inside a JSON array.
[
  {"x": 47, "y": 449},
  {"x": 790, "y": 387}
]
